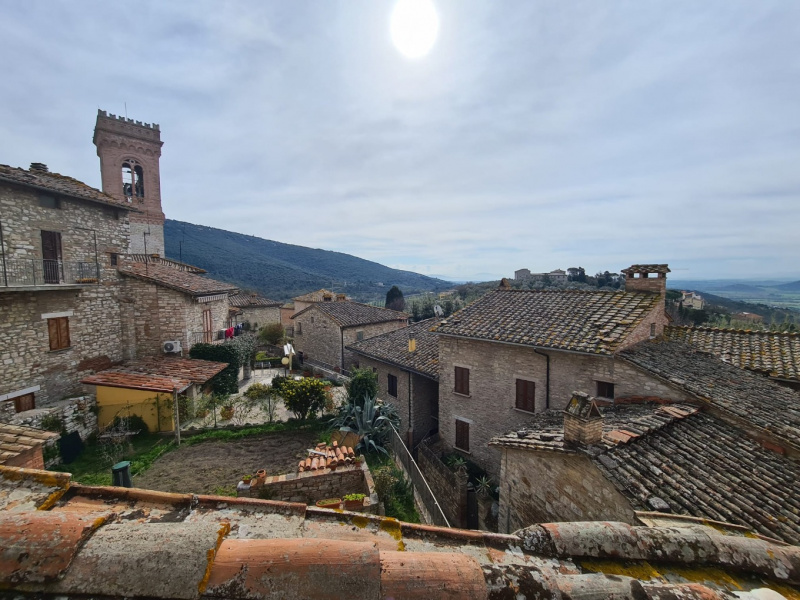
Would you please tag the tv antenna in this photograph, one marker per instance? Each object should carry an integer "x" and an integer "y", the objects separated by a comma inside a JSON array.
[{"x": 438, "y": 311}]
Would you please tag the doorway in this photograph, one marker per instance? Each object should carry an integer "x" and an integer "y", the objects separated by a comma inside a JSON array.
[{"x": 52, "y": 265}]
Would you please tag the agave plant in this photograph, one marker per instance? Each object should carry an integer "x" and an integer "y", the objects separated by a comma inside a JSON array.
[
  {"x": 483, "y": 485},
  {"x": 372, "y": 421}
]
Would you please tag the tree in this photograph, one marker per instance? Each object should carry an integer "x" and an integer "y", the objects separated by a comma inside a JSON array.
[
  {"x": 305, "y": 397},
  {"x": 577, "y": 274},
  {"x": 271, "y": 334},
  {"x": 363, "y": 384},
  {"x": 394, "y": 299}
]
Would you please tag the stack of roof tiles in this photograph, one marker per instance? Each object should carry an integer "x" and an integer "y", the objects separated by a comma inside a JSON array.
[
  {"x": 393, "y": 348},
  {"x": 774, "y": 353},
  {"x": 16, "y": 439},
  {"x": 583, "y": 321},
  {"x": 327, "y": 457}
]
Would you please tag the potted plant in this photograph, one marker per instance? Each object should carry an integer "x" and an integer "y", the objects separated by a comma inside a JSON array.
[
  {"x": 246, "y": 479},
  {"x": 354, "y": 501},
  {"x": 330, "y": 503},
  {"x": 227, "y": 412},
  {"x": 261, "y": 476}
]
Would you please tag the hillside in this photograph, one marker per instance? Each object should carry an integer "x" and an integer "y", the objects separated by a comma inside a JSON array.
[
  {"x": 790, "y": 287},
  {"x": 282, "y": 271}
]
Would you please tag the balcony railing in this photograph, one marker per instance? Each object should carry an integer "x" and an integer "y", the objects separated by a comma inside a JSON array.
[
  {"x": 206, "y": 337},
  {"x": 29, "y": 272}
]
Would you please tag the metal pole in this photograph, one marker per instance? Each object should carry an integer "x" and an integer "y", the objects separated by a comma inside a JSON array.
[{"x": 177, "y": 416}]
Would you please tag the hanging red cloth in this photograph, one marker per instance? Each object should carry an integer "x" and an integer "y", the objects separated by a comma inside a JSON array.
[{"x": 229, "y": 332}]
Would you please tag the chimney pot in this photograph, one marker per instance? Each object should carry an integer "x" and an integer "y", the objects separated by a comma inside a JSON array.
[{"x": 39, "y": 167}]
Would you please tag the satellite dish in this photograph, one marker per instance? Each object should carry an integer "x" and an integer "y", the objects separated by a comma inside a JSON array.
[{"x": 438, "y": 311}]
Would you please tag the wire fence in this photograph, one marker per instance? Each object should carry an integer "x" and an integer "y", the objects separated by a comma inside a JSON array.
[{"x": 421, "y": 488}]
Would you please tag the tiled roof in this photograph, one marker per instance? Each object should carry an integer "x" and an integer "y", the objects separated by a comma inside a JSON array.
[
  {"x": 16, "y": 439},
  {"x": 704, "y": 467},
  {"x": 59, "y": 184},
  {"x": 392, "y": 348},
  {"x": 158, "y": 375},
  {"x": 583, "y": 321},
  {"x": 317, "y": 296},
  {"x": 251, "y": 301},
  {"x": 697, "y": 464},
  {"x": 116, "y": 542},
  {"x": 774, "y": 353},
  {"x": 182, "y": 281},
  {"x": 647, "y": 269},
  {"x": 751, "y": 398},
  {"x": 350, "y": 314}
]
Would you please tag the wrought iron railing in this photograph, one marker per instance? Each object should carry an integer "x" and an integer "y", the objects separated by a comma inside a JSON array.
[
  {"x": 24, "y": 272},
  {"x": 206, "y": 337}
]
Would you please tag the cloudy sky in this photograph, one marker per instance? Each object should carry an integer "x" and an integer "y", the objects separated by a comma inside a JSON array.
[{"x": 534, "y": 134}]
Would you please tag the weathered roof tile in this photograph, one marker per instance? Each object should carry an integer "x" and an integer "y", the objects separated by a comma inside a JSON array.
[
  {"x": 393, "y": 347},
  {"x": 352, "y": 314},
  {"x": 176, "y": 279}
]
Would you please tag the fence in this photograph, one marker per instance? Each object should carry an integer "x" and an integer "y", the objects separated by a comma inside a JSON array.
[{"x": 421, "y": 488}]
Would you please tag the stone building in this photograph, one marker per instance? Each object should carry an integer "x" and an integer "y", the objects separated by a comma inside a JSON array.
[
  {"x": 165, "y": 300},
  {"x": 60, "y": 241},
  {"x": 256, "y": 310},
  {"x": 691, "y": 299},
  {"x": 129, "y": 154},
  {"x": 324, "y": 330},
  {"x": 555, "y": 277},
  {"x": 723, "y": 447},
  {"x": 302, "y": 302},
  {"x": 407, "y": 364},
  {"x": 517, "y": 352}
]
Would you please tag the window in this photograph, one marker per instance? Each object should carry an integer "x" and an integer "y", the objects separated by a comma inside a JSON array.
[
  {"x": 138, "y": 181},
  {"x": 208, "y": 326},
  {"x": 48, "y": 201},
  {"x": 462, "y": 381},
  {"x": 462, "y": 435},
  {"x": 359, "y": 335},
  {"x": 299, "y": 328},
  {"x": 652, "y": 330},
  {"x": 526, "y": 395},
  {"x": 605, "y": 389},
  {"x": 51, "y": 256},
  {"x": 392, "y": 384},
  {"x": 24, "y": 402},
  {"x": 58, "y": 330},
  {"x": 113, "y": 258},
  {"x": 132, "y": 179}
]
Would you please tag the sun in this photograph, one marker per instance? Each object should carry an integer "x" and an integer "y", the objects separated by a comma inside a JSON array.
[{"x": 414, "y": 27}]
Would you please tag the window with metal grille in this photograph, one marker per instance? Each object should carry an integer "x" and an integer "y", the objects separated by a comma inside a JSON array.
[
  {"x": 58, "y": 331},
  {"x": 462, "y": 435},
  {"x": 605, "y": 389},
  {"x": 392, "y": 385},
  {"x": 462, "y": 381},
  {"x": 526, "y": 395}
]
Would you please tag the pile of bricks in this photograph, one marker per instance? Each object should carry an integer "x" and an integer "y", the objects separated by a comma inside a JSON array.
[{"x": 327, "y": 457}]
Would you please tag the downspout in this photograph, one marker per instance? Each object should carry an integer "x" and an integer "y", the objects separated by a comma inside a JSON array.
[
  {"x": 341, "y": 360},
  {"x": 547, "y": 384},
  {"x": 409, "y": 428},
  {"x": 3, "y": 253}
]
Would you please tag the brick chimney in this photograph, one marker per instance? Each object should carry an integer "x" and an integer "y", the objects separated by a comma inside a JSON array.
[
  {"x": 646, "y": 278},
  {"x": 583, "y": 423}
]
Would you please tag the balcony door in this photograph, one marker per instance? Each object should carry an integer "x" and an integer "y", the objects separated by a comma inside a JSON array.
[
  {"x": 208, "y": 334},
  {"x": 51, "y": 256}
]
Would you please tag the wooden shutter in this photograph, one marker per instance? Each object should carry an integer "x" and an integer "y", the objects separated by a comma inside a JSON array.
[
  {"x": 52, "y": 332},
  {"x": 392, "y": 385},
  {"x": 63, "y": 332},
  {"x": 58, "y": 332},
  {"x": 526, "y": 395},
  {"x": 462, "y": 435},
  {"x": 462, "y": 381},
  {"x": 23, "y": 403}
]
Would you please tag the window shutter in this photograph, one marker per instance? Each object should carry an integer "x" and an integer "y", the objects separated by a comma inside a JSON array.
[
  {"x": 63, "y": 332},
  {"x": 526, "y": 395},
  {"x": 462, "y": 435},
  {"x": 52, "y": 332}
]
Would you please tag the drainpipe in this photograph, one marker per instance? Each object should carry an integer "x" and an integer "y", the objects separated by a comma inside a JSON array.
[
  {"x": 341, "y": 360},
  {"x": 409, "y": 428},
  {"x": 547, "y": 386},
  {"x": 3, "y": 253}
]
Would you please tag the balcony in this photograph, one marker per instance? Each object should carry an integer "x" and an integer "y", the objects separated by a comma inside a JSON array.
[
  {"x": 206, "y": 337},
  {"x": 26, "y": 274}
]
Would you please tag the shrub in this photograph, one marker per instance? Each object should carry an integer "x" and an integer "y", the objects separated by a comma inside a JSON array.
[
  {"x": 226, "y": 381},
  {"x": 278, "y": 382},
  {"x": 305, "y": 397},
  {"x": 52, "y": 422},
  {"x": 130, "y": 423},
  {"x": 271, "y": 334},
  {"x": 371, "y": 420},
  {"x": 363, "y": 383}
]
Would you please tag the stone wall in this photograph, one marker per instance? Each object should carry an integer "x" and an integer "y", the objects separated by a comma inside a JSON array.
[
  {"x": 258, "y": 316},
  {"x": 318, "y": 338},
  {"x": 449, "y": 488},
  {"x": 351, "y": 337},
  {"x": 93, "y": 309},
  {"x": 311, "y": 486},
  {"x": 546, "y": 487},
  {"x": 494, "y": 368}
]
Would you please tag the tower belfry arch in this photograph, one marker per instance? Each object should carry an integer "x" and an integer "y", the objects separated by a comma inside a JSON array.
[{"x": 129, "y": 154}]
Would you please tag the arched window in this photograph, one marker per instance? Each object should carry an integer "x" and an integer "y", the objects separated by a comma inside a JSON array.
[
  {"x": 132, "y": 179},
  {"x": 127, "y": 180},
  {"x": 138, "y": 179}
]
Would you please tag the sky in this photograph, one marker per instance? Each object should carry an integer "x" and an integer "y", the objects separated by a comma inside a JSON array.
[{"x": 534, "y": 134}]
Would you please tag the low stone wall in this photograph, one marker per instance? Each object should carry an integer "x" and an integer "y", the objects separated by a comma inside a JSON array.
[
  {"x": 75, "y": 414},
  {"x": 449, "y": 488},
  {"x": 311, "y": 486}
]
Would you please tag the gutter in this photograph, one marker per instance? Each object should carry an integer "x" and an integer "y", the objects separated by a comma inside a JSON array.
[
  {"x": 394, "y": 364},
  {"x": 550, "y": 348}
]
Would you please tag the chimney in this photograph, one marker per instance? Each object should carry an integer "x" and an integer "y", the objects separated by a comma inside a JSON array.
[
  {"x": 504, "y": 284},
  {"x": 583, "y": 423},
  {"x": 646, "y": 278},
  {"x": 41, "y": 167}
]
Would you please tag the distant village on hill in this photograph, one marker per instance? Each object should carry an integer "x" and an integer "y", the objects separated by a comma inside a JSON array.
[{"x": 554, "y": 429}]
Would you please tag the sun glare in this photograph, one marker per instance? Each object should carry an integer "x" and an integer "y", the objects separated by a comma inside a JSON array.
[{"x": 414, "y": 27}]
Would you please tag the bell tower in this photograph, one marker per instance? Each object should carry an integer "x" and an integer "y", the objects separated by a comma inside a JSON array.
[{"x": 129, "y": 152}]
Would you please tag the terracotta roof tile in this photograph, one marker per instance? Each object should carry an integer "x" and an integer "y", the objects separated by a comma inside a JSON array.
[
  {"x": 774, "y": 353},
  {"x": 15, "y": 439},
  {"x": 59, "y": 184},
  {"x": 158, "y": 375},
  {"x": 352, "y": 314},
  {"x": 392, "y": 348},
  {"x": 251, "y": 301},
  {"x": 582, "y": 321},
  {"x": 176, "y": 279},
  {"x": 743, "y": 394}
]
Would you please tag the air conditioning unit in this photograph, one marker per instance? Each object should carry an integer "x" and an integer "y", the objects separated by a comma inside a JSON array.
[{"x": 173, "y": 346}]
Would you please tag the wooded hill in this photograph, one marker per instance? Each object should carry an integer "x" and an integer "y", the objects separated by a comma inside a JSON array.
[{"x": 282, "y": 271}]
